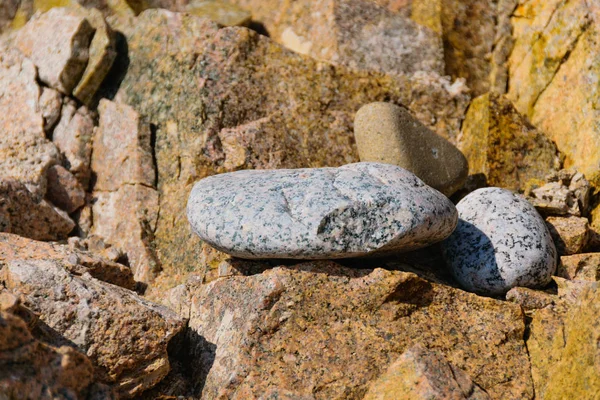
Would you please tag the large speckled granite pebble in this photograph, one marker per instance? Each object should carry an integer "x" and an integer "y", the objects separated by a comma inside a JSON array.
[
  {"x": 319, "y": 213},
  {"x": 500, "y": 242}
]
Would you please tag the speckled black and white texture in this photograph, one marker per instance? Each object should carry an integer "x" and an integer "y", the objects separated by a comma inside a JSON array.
[
  {"x": 319, "y": 213},
  {"x": 500, "y": 242}
]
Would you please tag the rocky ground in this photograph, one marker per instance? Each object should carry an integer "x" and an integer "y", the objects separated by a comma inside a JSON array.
[{"x": 111, "y": 111}]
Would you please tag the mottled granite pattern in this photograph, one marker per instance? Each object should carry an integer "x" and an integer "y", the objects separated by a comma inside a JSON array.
[
  {"x": 350, "y": 211},
  {"x": 500, "y": 242}
]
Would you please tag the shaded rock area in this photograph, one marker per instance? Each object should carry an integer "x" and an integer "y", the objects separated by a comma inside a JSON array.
[
  {"x": 501, "y": 144},
  {"x": 279, "y": 331}
]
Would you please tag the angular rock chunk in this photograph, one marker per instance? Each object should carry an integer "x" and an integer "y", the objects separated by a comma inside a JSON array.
[
  {"x": 35, "y": 370},
  {"x": 570, "y": 234},
  {"x": 57, "y": 43},
  {"x": 388, "y": 134},
  {"x": 566, "y": 193},
  {"x": 15, "y": 249},
  {"x": 28, "y": 216},
  {"x": 271, "y": 334},
  {"x": 25, "y": 153},
  {"x": 423, "y": 374},
  {"x": 50, "y": 105},
  {"x": 584, "y": 267},
  {"x": 503, "y": 145},
  {"x": 350, "y": 211},
  {"x": 500, "y": 242},
  {"x": 73, "y": 137},
  {"x": 64, "y": 190},
  {"x": 122, "y": 149},
  {"x": 102, "y": 54},
  {"x": 221, "y": 12},
  {"x": 124, "y": 336},
  {"x": 126, "y": 219}
]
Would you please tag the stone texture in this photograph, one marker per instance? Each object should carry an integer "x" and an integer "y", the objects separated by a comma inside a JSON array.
[
  {"x": 387, "y": 133},
  {"x": 122, "y": 150},
  {"x": 551, "y": 67},
  {"x": 102, "y": 54},
  {"x": 50, "y": 105},
  {"x": 125, "y": 206},
  {"x": 360, "y": 34},
  {"x": 124, "y": 336},
  {"x": 35, "y": 370},
  {"x": 236, "y": 78},
  {"x": 563, "y": 347},
  {"x": 126, "y": 219},
  {"x": 318, "y": 330},
  {"x": 566, "y": 193},
  {"x": 423, "y": 374},
  {"x": 17, "y": 249},
  {"x": 26, "y": 215},
  {"x": 500, "y": 242},
  {"x": 322, "y": 213},
  {"x": 221, "y": 12},
  {"x": 477, "y": 41},
  {"x": 73, "y": 137},
  {"x": 501, "y": 144},
  {"x": 584, "y": 267},
  {"x": 8, "y": 10},
  {"x": 64, "y": 190},
  {"x": 25, "y": 153},
  {"x": 570, "y": 234},
  {"x": 57, "y": 43}
]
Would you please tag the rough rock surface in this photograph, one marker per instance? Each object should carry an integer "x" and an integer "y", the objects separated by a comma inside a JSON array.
[
  {"x": 57, "y": 43},
  {"x": 570, "y": 234},
  {"x": 551, "y": 67},
  {"x": 322, "y": 213},
  {"x": 125, "y": 205},
  {"x": 318, "y": 330},
  {"x": 584, "y": 267},
  {"x": 566, "y": 193},
  {"x": 35, "y": 370},
  {"x": 122, "y": 149},
  {"x": 221, "y": 12},
  {"x": 26, "y": 215},
  {"x": 63, "y": 189},
  {"x": 102, "y": 53},
  {"x": 123, "y": 335},
  {"x": 73, "y": 137},
  {"x": 501, "y": 144},
  {"x": 193, "y": 86},
  {"x": 50, "y": 105},
  {"x": 25, "y": 153},
  {"x": 500, "y": 242},
  {"x": 423, "y": 374},
  {"x": 563, "y": 341},
  {"x": 17, "y": 249},
  {"x": 360, "y": 34},
  {"x": 388, "y": 133}
]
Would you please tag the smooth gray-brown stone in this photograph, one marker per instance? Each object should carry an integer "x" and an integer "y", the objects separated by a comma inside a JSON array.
[
  {"x": 319, "y": 213},
  {"x": 389, "y": 134}
]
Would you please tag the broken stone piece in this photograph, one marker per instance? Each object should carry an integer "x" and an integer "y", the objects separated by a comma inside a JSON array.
[
  {"x": 57, "y": 42},
  {"x": 566, "y": 193},
  {"x": 50, "y": 105},
  {"x": 319, "y": 213},
  {"x": 64, "y": 190},
  {"x": 122, "y": 149},
  {"x": 584, "y": 267},
  {"x": 124, "y": 336},
  {"x": 73, "y": 137},
  {"x": 570, "y": 234},
  {"x": 26, "y": 215}
]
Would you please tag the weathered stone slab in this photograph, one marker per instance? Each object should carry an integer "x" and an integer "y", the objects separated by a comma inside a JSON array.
[
  {"x": 354, "y": 210},
  {"x": 57, "y": 43}
]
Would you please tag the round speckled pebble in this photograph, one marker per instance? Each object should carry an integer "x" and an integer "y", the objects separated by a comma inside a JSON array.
[
  {"x": 319, "y": 213},
  {"x": 500, "y": 242}
]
